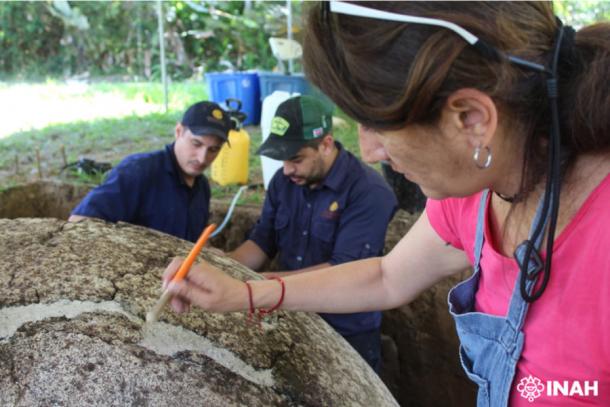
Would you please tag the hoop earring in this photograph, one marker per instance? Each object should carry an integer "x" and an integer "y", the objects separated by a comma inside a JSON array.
[{"x": 477, "y": 153}]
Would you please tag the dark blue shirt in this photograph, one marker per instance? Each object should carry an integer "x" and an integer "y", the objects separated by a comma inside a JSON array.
[
  {"x": 343, "y": 219},
  {"x": 147, "y": 189}
]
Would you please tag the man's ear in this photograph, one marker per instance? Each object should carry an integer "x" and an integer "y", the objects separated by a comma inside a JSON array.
[
  {"x": 327, "y": 144},
  {"x": 472, "y": 114},
  {"x": 178, "y": 130}
]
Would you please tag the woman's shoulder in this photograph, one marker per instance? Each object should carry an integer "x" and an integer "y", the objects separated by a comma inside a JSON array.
[
  {"x": 454, "y": 219},
  {"x": 462, "y": 207}
]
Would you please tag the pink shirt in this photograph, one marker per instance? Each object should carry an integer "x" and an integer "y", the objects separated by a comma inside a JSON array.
[{"x": 567, "y": 330}]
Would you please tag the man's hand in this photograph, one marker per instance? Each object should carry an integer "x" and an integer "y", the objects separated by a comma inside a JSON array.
[
  {"x": 250, "y": 255},
  {"x": 216, "y": 251},
  {"x": 77, "y": 218},
  {"x": 269, "y": 274}
]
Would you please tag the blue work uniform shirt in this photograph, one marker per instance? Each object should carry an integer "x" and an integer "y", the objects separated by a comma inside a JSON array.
[
  {"x": 345, "y": 218},
  {"x": 148, "y": 189}
]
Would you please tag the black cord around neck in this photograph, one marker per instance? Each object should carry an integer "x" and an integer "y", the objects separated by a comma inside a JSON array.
[
  {"x": 551, "y": 193},
  {"x": 506, "y": 198}
]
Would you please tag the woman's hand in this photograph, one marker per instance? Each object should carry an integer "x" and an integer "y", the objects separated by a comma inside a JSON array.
[{"x": 205, "y": 286}]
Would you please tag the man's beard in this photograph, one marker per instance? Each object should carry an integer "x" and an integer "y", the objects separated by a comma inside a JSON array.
[{"x": 316, "y": 176}]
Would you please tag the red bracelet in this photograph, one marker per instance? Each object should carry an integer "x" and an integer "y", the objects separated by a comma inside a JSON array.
[
  {"x": 262, "y": 311},
  {"x": 251, "y": 309}
]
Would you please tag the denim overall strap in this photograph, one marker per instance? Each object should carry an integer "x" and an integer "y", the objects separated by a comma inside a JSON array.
[
  {"x": 490, "y": 346},
  {"x": 480, "y": 235},
  {"x": 518, "y": 306},
  {"x": 461, "y": 297}
]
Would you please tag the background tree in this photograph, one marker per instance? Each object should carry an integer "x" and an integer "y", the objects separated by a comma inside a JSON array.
[
  {"x": 119, "y": 38},
  {"x": 61, "y": 39}
]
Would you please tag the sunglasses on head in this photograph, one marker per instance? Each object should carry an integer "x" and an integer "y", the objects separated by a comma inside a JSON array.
[{"x": 341, "y": 7}]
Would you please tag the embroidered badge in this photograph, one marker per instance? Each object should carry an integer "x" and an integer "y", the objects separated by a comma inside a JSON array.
[
  {"x": 332, "y": 212},
  {"x": 279, "y": 126},
  {"x": 217, "y": 114}
]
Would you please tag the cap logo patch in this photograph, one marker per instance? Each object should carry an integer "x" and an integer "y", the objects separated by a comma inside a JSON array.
[
  {"x": 279, "y": 125},
  {"x": 318, "y": 132},
  {"x": 217, "y": 114}
]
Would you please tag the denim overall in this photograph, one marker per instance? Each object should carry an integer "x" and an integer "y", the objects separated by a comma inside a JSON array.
[{"x": 490, "y": 345}]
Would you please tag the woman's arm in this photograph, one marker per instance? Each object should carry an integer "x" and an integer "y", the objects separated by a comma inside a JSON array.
[{"x": 417, "y": 262}]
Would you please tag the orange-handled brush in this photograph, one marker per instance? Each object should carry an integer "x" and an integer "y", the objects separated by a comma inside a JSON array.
[{"x": 153, "y": 315}]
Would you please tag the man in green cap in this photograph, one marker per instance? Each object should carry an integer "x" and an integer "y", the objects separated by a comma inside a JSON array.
[{"x": 324, "y": 207}]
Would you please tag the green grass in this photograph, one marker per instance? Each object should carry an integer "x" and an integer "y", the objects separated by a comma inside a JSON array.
[
  {"x": 102, "y": 139},
  {"x": 36, "y": 106},
  {"x": 180, "y": 95},
  {"x": 110, "y": 139}
]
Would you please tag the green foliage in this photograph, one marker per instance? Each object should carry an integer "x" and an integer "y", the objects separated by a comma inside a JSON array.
[
  {"x": 29, "y": 38},
  {"x": 582, "y": 12},
  {"x": 38, "y": 41},
  {"x": 91, "y": 38},
  {"x": 120, "y": 38},
  {"x": 223, "y": 35}
]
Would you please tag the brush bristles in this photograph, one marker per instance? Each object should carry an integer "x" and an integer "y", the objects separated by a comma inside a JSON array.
[{"x": 153, "y": 314}]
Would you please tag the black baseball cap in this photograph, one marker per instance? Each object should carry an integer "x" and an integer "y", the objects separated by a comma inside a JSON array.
[
  {"x": 297, "y": 121},
  {"x": 207, "y": 118}
]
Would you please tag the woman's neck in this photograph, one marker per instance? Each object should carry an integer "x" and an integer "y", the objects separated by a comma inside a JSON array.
[{"x": 510, "y": 223}]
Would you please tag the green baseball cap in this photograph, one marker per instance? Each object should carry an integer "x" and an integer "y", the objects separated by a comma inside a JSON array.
[{"x": 297, "y": 121}]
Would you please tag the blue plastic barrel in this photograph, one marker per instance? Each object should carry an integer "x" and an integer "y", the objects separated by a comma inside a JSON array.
[
  {"x": 238, "y": 85},
  {"x": 269, "y": 82}
]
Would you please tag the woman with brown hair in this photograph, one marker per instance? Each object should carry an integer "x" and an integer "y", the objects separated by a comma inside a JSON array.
[{"x": 502, "y": 115}]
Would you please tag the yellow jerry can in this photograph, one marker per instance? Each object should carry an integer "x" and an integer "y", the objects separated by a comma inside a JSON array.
[{"x": 231, "y": 165}]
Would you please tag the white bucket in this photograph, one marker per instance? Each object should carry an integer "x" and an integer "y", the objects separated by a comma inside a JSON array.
[{"x": 270, "y": 104}]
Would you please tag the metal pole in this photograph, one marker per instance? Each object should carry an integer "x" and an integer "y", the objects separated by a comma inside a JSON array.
[
  {"x": 38, "y": 164},
  {"x": 64, "y": 158},
  {"x": 289, "y": 28},
  {"x": 162, "y": 50}
]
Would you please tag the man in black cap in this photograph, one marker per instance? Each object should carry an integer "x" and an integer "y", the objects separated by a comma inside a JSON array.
[
  {"x": 323, "y": 208},
  {"x": 165, "y": 190}
]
